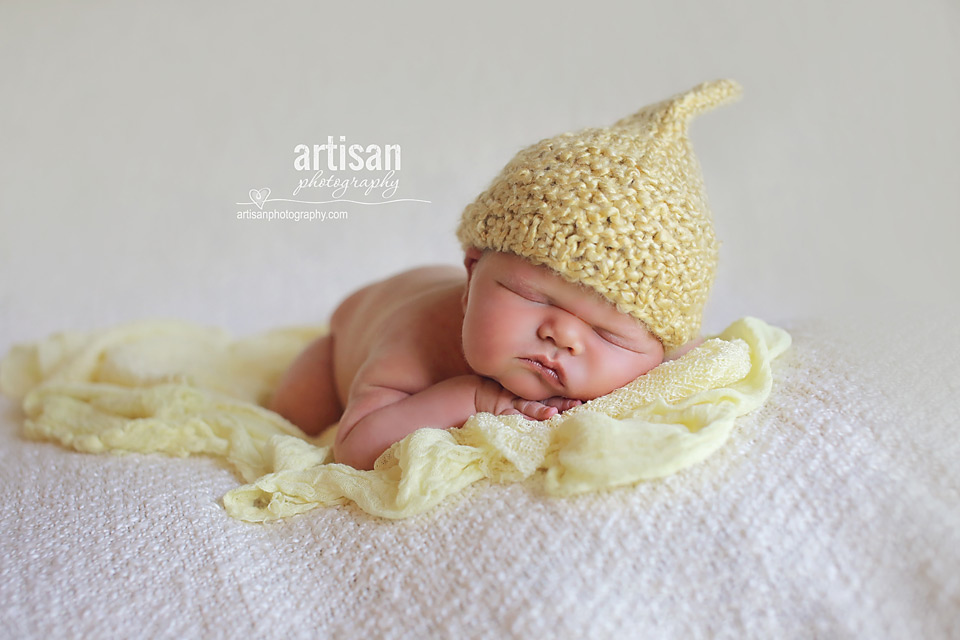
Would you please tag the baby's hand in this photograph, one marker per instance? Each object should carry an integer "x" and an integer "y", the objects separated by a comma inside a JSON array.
[{"x": 493, "y": 398}]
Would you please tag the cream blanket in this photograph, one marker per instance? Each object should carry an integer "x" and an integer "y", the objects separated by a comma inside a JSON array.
[
  {"x": 832, "y": 511},
  {"x": 180, "y": 389}
]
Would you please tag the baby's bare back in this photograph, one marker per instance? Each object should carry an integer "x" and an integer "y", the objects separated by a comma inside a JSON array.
[{"x": 403, "y": 332}]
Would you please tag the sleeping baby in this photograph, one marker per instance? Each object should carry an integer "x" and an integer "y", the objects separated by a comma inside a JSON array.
[{"x": 588, "y": 260}]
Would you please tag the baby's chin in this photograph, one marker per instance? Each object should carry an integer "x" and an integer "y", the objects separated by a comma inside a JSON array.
[
  {"x": 527, "y": 387},
  {"x": 533, "y": 389}
]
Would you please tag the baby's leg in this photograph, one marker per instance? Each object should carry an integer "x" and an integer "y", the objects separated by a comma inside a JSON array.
[{"x": 307, "y": 393}]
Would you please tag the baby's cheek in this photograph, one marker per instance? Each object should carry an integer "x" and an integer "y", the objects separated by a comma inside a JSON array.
[
  {"x": 614, "y": 371},
  {"x": 638, "y": 366},
  {"x": 483, "y": 352}
]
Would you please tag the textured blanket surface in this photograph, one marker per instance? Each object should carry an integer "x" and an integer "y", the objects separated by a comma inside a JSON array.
[
  {"x": 176, "y": 388},
  {"x": 832, "y": 511}
]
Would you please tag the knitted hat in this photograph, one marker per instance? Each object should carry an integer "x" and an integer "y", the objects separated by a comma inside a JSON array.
[{"x": 621, "y": 210}]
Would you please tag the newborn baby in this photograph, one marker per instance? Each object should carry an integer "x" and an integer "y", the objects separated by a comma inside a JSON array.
[
  {"x": 588, "y": 261},
  {"x": 426, "y": 348}
]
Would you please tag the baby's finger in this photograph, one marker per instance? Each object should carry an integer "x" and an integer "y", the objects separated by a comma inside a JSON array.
[
  {"x": 562, "y": 403},
  {"x": 534, "y": 410}
]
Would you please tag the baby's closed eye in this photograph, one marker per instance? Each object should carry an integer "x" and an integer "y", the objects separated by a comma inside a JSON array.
[
  {"x": 525, "y": 293},
  {"x": 612, "y": 338}
]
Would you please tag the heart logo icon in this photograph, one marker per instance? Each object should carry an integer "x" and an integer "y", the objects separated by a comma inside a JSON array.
[{"x": 259, "y": 196}]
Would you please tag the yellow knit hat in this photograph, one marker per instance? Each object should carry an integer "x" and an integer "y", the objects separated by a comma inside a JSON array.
[{"x": 621, "y": 210}]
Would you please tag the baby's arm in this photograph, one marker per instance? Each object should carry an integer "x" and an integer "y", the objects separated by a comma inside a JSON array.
[{"x": 379, "y": 415}]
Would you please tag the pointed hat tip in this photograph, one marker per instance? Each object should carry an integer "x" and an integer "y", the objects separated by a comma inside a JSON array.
[
  {"x": 683, "y": 107},
  {"x": 707, "y": 95}
]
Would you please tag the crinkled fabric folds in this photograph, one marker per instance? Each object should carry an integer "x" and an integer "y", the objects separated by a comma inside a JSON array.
[{"x": 180, "y": 389}]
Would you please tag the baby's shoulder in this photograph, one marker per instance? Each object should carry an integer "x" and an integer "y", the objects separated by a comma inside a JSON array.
[
  {"x": 421, "y": 279},
  {"x": 411, "y": 321},
  {"x": 404, "y": 293}
]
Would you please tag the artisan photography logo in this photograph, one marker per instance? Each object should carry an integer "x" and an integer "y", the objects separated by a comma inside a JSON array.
[{"x": 334, "y": 173}]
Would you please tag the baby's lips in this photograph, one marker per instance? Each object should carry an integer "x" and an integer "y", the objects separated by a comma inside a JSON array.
[{"x": 550, "y": 371}]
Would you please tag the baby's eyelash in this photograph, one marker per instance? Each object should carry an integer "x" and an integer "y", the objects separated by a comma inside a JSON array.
[
  {"x": 609, "y": 337},
  {"x": 525, "y": 295},
  {"x": 615, "y": 340}
]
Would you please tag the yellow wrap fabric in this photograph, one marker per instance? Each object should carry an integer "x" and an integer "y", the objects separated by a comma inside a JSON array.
[{"x": 179, "y": 389}]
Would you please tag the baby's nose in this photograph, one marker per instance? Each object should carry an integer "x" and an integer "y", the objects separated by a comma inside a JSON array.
[{"x": 563, "y": 333}]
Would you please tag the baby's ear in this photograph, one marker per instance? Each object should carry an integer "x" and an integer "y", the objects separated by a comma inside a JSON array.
[{"x": 470, "y": 259}]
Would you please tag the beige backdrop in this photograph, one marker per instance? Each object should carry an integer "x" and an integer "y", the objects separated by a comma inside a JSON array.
[{"x": 129, "y": 131}]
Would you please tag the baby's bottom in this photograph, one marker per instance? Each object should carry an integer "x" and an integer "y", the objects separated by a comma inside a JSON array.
[{"x": 307, "y": 392}]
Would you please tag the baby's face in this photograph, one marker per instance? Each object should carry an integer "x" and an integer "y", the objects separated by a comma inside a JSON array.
[{"x": 540, "y": 336}]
